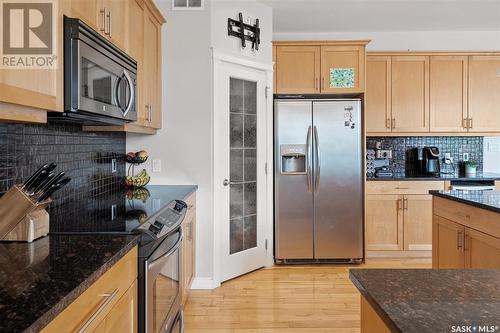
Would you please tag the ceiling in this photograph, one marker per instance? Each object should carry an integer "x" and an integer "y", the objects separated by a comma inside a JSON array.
[{"x": 384, "y": 15}]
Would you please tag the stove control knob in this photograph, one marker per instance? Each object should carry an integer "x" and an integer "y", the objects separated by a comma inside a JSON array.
[{"x": 180, "y": 205}]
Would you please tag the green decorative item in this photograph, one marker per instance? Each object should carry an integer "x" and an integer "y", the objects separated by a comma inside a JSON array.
[
  {"x": 342, "y": 78},
  {"x": 471, "y": 167}
]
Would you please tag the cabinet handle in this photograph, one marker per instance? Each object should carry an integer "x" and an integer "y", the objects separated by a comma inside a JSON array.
[
  {"x": 107, "y": 298},
  {"x": 459, "y": 240},
  {"x": 150, "y": 113},
  {"x": 109, "y": 23},
  {"x": 405, "y": 204},
  {"x": 388, "y": 123},
  {"x": 470, "y": 123},
  {"x": 400, "y": 204},
  {"x": 103, "y": 21},
  {"x": 402, "y": 188},
  {"x": 464, "y": 123},
  {"x": 322, "y": 83},
  {"x": 316, "y": 83}
]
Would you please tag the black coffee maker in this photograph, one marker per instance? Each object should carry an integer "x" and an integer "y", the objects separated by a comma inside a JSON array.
[{"x": 423, "y": 162}]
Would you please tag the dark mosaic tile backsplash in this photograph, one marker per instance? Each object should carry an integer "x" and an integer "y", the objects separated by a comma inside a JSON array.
[
  {"x": 454, "y": 145},
  {"x": 83, "y": 156}
]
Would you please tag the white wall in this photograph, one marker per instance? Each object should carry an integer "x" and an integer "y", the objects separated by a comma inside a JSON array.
[
  {"x": 184, "y": 142},
  {"x": 411, "y": 40},
  {"x": 223, "y": 9}
]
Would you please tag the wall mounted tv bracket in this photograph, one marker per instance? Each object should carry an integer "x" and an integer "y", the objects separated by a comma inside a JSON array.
[{"x": 243, "y": 31}]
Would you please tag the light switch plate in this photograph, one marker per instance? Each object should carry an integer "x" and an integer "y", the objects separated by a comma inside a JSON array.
[
  {"x": 156, "y": 165},
  {"x": 113, "y": 165},
  {"x": 465, "y": 157}
]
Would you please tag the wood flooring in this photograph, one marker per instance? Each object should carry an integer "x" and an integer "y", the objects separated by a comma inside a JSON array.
[{"x": 284, "y": 299}]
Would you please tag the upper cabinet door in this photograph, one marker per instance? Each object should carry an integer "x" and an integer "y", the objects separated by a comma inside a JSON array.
[
  {"x": 88, "y": 12},
  {"x": 152, "y": 68},
  {"x": 342, "y": 69},
  {"x": 410, "y": 94},
  {"x": 448, "y": 93},
  {"x": 115, "y": 20},
  {"x": 378, "y": 94},
  {"x": 297, "y": 69},
  {"x": 135, "y": 48},
  {"x": 484, "y": 93}
]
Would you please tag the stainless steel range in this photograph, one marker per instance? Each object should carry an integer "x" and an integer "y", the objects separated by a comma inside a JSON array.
[{"x": 160, "y": 271}]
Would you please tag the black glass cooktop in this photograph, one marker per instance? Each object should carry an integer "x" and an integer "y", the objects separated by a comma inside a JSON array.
[{"x": 119, "y": 212}]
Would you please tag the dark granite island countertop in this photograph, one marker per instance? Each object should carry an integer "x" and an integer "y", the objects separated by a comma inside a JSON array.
[
  {"x": 428, "y": 300},
  {"x": 39, "y": 280},
  {"x": 489, "y": 200},
  {"x": 480, "y": 176}
]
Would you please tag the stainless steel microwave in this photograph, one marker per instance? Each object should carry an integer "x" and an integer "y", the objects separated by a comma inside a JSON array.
[{"x": 99, "y": 78}]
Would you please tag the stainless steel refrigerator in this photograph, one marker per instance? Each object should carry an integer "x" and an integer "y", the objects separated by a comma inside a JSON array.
[{"x": 319, "y": 193}]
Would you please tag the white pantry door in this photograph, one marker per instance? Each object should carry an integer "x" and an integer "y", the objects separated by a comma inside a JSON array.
[{"x": 240, "y": 176}]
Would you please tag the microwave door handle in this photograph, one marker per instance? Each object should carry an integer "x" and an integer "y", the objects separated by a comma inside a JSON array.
[
  {"x": 132, "y": 93},
  {"x": 117, "y": 92}
]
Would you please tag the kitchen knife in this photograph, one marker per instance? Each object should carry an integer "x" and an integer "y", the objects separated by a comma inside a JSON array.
[
  {"x": 47, "y": 179},
  {"x": 30, "y": 180},
  {"x": 49, "y": 183},
  {"x": 54, "y": 187},
  {"x": 36, "y": 181}
]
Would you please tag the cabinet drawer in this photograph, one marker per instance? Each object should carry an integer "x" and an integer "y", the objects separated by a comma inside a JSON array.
[
  {"x": 93, "y": 305},
  {"x": 469, "y": 216},
  {"x": 403, "y": 187}
]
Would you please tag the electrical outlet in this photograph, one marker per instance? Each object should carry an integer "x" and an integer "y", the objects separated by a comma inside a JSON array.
[
  {"x": 156, "y": 165},
  {"x": 465, "y": 157},
  {"x": 113, "y": 165},
  {"x": 447, "y": 156},
  {"x": 113, "y": 212}
]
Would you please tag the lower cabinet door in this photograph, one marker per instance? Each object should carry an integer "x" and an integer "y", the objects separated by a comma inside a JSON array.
[
  {"x": 481, "y": 250},
  {"x": 418, "y": 222},
  {"x": 448, "y": 244},
  {"x": 384, "y": 222},
  {"x": 123, "y": 317}
]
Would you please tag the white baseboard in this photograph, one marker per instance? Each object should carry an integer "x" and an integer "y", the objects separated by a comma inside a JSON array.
[{"x": 204, "y": 283}]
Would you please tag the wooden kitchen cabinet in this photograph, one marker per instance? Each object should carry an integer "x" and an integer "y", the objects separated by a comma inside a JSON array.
[
  {"x": 481, "y": 250},
  {"x": 447, "y": 240},
  {"x": 298, "y": 69},
  {"x": 384, "y": 222},
  {"x": 108, "y": 305},
  {"x": 152, "y": 65},
  {"x": 274, "y": 69},
  {"x": 484, "y": 93},
  {"x": 417, "y": 222},
  {"x": 89, "y": 12},
  {"x": 448, "y": 93},
  {"x": 304, "y": 67},
  {"x": 378, "y": 94},
  {"x": 410, "y": 94},
  {"x": 188, "y": 247},
  {"x": 343, "y": 57}
]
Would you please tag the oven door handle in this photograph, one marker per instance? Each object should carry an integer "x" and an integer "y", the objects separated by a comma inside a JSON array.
[{"x": 172, "y": 250}]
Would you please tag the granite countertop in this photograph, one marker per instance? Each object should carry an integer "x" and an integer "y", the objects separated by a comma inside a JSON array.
[
  {"x": 480, "y": 176},
  {"x": 39, "y": 280},
  {"x": 429, "y": 300},
  {"x": 489, "y": 200}
]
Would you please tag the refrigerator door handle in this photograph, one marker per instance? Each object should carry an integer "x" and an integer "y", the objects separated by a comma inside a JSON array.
[
  {"x": 309, "y": 159},
  {"x": 318, "y": 159}
]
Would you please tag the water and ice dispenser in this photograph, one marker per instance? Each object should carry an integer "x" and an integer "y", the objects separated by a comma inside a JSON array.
[{"x": 293, "y": 159}]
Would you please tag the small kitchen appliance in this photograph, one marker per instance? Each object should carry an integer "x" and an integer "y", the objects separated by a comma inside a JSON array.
[{"x": 423, "y": 162}]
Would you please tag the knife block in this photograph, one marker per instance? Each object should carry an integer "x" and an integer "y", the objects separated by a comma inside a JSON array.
[{"x": 21, "y": 217}]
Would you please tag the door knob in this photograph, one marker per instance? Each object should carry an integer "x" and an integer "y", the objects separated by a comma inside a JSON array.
[{"x": 226, "y": 182}]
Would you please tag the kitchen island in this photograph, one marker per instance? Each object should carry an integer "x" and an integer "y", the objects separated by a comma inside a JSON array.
[
  {"x": 428, "y": 300},
  {"x": 466, "y": 229}
]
